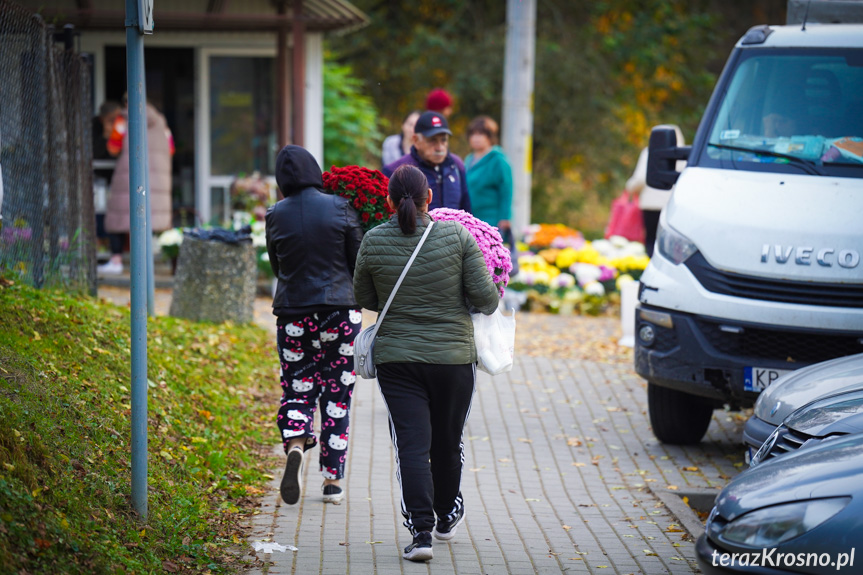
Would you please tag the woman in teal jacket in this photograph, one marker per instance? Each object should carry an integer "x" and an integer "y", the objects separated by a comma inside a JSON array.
[
  {"x": 489, "y": 176},
  {"x": 424, "y": 350}
]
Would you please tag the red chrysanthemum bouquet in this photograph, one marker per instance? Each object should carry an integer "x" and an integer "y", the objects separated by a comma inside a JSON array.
[{"x": 366, "y": 190}]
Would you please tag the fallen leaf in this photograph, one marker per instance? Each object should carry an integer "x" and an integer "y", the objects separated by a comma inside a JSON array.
[
  {"x": 42, "y": 543},
  {"x": 690, "y": 469},
  {"x": 525, "y": 440},
  {"x": 567, "y": 527},
  {"x": 170, "y": 567},
  {"x": 673, "y": 487},
  {"x": 573, "y": 442}
]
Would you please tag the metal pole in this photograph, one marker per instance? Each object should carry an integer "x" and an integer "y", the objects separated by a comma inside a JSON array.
[
  {"x": 151, "y": 281},
  {"x": 138, "y": 168},
  {"x": 517, "y": 121}
]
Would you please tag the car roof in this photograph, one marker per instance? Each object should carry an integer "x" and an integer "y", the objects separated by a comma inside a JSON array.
[{"x": 814, "y": 36}]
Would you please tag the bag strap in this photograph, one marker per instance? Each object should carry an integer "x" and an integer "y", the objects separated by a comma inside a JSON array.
[{"x": 404, "y": 273}]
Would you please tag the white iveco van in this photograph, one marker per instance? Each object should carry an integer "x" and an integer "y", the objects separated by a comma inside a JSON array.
[{"x": 757, "y": 267}]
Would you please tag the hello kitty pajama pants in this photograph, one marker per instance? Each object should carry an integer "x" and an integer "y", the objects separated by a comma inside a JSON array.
[{"x": 316, "y": 355}]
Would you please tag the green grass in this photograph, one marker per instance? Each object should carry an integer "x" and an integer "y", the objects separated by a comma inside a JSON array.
[{"x": 65, "y": 456}]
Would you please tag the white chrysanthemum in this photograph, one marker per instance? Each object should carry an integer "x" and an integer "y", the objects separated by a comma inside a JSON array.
[
  {"x": 585, "y": 273},
  {"x": 618, "y": 242},
  {"x": 595, "y": 289},
  {"x": 634, "y": 249},
  {"x": 603, "y": 247},
  {"x": 259, "y": 240},
  {"x": 564, "y": 280},
  {"x": 172, "y": 237}
]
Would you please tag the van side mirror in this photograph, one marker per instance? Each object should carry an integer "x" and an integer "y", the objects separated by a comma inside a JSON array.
[{"x": 662, "y": 156}]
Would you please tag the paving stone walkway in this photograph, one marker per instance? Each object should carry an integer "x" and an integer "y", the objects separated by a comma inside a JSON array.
[{"x": 562, "y": 472}]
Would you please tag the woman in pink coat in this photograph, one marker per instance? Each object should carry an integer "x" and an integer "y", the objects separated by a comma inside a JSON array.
[{"x": 117, "y": 214}]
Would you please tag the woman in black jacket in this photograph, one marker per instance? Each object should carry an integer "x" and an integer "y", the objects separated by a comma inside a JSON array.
[{"x": 312, "y": 241}]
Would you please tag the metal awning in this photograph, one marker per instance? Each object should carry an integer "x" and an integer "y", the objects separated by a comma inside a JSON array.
[{"x": 206, "y": 15}]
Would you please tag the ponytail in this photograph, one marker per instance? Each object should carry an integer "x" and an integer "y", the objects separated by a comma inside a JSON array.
[
  {"x": 408, "y": 190},
  {"x": 407, "y": 216}
]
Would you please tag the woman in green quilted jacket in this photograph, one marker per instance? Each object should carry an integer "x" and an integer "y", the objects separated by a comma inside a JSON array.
[{"x": 424, "y": 351}]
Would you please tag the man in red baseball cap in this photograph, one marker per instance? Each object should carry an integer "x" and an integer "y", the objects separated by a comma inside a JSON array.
[
  {"x": 443, "y": 169},
  {"x": 439, "y": 100}
]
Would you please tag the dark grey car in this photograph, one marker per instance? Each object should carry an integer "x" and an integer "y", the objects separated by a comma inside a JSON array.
[
  {"x": 792, "y": 391},
  {"x": 801, "y": 513},
  {"x": 821, "y": 420}
]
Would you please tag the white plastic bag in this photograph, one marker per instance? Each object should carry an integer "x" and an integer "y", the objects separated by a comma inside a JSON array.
[{"x": 494, "y": 336}]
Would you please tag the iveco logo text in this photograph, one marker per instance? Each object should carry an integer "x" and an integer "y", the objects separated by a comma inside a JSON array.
[{"x": 806, "y": 256}]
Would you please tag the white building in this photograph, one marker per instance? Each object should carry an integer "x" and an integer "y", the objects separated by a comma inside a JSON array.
[{"x": 235, "y": 80}]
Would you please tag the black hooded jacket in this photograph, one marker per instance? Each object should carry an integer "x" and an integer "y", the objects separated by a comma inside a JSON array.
[{"x": 312, "y": 240}]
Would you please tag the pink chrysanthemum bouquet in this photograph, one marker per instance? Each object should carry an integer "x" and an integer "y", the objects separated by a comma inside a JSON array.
[{"x": 496, "y": 254}]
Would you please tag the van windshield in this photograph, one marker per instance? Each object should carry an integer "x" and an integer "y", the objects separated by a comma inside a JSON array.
[{"x": 791, "y": 111}]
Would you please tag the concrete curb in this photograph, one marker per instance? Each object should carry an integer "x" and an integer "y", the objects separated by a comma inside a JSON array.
[{"x": 699, "y": 499}]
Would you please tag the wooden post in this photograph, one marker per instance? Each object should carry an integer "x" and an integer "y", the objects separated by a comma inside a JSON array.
[
  {"x": 283, "y": 105},
  {"x": 299, "y": 74}
]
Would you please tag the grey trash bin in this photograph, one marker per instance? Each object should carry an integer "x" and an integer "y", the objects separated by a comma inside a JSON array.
[{"x": 216, "y": 277}]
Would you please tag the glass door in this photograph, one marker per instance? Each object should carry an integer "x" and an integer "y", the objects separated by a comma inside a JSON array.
[{"x": 239, "y": 117}]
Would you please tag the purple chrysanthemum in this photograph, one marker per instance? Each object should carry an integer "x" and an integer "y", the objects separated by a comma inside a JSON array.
[{"x": 497, "y": 256}]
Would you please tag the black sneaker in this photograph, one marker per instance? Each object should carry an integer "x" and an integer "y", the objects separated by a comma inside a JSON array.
[
  {"x": 292, "y": 479},
  {"x": 445, "y": 528},
  {"x": 333, "y": 494},
  {"x": 421, "y": 548}
]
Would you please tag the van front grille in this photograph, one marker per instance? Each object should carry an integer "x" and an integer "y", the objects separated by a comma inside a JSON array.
[
  {"x": 785, "y": 291},
  {"x": 797, "y": 346}
]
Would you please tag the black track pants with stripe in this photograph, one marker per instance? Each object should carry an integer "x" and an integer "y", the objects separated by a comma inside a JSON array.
[{"x": 428, "y": 406}]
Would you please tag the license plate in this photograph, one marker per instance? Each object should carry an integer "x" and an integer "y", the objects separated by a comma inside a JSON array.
[{"x": 758, "y": 378}]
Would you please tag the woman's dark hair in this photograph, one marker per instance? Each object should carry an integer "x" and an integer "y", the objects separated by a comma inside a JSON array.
[
  {"x": 483, "y": 125},
  {"x": 408, "y": 191}
]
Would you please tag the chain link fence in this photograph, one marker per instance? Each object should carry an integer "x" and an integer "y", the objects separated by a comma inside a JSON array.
[{"x": 47, "y": 238}]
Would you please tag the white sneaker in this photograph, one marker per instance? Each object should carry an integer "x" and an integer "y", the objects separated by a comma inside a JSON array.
[
  {"x": 111, "y": 268},
  {"x": 332, "y": 494}
]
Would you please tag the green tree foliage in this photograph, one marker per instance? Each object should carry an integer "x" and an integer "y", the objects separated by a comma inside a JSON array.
[
  {"x": 606, "y": 72},
  {"x": 351, "y": 133}
]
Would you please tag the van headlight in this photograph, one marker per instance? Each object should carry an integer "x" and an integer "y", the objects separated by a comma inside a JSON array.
[
  {"x": 673, "y": 245},
  {"x": 771, "y": 526}
]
